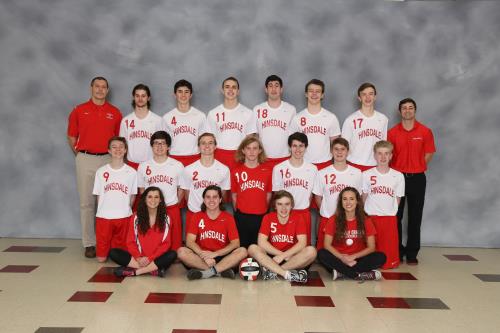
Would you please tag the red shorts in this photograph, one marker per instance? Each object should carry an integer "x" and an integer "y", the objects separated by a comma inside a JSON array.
[
  {"x": 323, "y": 165},
  {"x": 110, "y": 233},
  {"x": 189, "y": 216},
  {"x": 306, "y": 215},
  {"x": 320, "y": 241},
  {"x": 174, "y": 213},
  {"x": 272, "y": 162},
  {"x": 226, "y": 157},
  {"x": 361, "y": 167},
  {"x": 387, "y": 240},
  {"x": 187, "y": 159}
]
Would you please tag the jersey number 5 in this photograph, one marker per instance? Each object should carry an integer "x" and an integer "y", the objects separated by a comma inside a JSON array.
[{"x": 373, "y": 180}]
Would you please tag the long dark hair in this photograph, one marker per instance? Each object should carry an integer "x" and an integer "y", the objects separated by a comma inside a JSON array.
[
  {"x": 340, "y": 215},
  {"x": 143, "y": 213}
]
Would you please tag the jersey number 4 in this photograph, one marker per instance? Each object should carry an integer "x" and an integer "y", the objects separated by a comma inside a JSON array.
[
  {"x": 201, "y": 224},
  {"x": 130, "y": 124}
]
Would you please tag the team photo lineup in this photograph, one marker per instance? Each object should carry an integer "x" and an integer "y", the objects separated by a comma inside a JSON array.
[{"x": 262, "y": 192}]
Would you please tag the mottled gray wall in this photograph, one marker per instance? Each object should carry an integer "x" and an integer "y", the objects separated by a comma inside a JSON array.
[{"x": 444, "y": 54}]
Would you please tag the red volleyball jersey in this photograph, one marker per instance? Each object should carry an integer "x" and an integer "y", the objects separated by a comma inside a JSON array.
[
  {"x": 282, "y": 236},
  {"x": 352, "y": 242},
  {"x": 213, "y": 235},
  {"x": 251, "y": 186}
]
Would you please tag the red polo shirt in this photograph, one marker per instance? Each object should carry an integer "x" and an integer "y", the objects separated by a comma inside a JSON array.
[
  {"x": 93, "y": 125},
  {"x": 410, "y": 147}
]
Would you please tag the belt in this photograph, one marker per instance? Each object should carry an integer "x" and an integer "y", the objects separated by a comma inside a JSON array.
[
  {"x": 408, "y": 174},
  {"x": 91, "y": 153}
]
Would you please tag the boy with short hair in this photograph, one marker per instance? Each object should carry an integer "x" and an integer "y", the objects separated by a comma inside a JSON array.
[{"x": 383, "y": 188}]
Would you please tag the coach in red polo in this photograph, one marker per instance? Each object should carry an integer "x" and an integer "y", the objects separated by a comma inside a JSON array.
[
  {"x": 90, "y": 127},
  {"x": 413, "y": 150}
]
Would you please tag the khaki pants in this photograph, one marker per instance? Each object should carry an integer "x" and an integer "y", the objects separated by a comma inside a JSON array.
[{"x": 86, "y": 167}]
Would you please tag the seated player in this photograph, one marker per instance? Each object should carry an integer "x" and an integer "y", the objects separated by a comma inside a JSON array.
[
  {"x": 212, "y": 243},
  {"x": 383, "y": 188},
  {"x": 148, "y": 239},
  {"x": 115, "y": 186},
  {"x": 282, "y": 245},
  {"x": 251, "y": 184},
  {"x": 349, "y": 246}
]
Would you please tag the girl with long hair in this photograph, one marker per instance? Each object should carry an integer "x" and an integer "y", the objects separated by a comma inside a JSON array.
[
  {"x": 148, "y": 240},
  {"x": 349, "y": 245}
]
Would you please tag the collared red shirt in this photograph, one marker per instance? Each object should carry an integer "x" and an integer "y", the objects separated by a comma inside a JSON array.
[{"x": 410, "y": 147}]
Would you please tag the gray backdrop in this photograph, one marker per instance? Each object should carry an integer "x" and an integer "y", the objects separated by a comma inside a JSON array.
[{"x": 443, "y": 54}]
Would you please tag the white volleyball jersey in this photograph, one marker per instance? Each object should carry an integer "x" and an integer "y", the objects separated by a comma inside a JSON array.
[
  {"x": 230, "y": 126},
  {"x": 138, "y": 132},
  {"x": 298, "y": 181},
  {"x": 330, "y": 182},
  {"x": 319, "y": 128},
  {"x": 185, "y": 128},
  {"x": 114, "y": 188},
  {"x": 196, "y": 177},
  {"x": 383, "y": 191},
  {"x": 164, "y": 175},
  {"x": 273, "y": 127},
  {"x": 363, "y": 132}
]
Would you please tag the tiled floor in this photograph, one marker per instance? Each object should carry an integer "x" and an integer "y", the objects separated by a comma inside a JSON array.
[{"x": 48, "y": 286}]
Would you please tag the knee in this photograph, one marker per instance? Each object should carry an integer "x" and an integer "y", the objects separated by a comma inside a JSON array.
[
  {"x": 310, "y": 253},
  {"x": 183, "y": 252},
  {"x": 380, "y": 258},
  {"x": 241, "y": 252},
  {"x": 253, "y": 250},
  {"x": 322, "y": 254}
]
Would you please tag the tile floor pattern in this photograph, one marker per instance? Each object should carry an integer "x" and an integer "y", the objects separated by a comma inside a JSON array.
[{"x": 47, "y": 286}]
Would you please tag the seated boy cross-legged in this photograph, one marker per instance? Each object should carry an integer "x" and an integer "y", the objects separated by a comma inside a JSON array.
[{"x": 282, "y": 242}]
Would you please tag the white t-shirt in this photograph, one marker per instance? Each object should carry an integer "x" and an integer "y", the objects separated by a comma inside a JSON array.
[
  {"x": 298, "y": 181},
  {"x": 273, "y": 126},
  {"x": 114, "y": 188},
  {"x": 185, "y": 128},
  {"x": 230, "y": 126},
  {"x": 319, "y": 128},
  {"x": 362, "y": 133},
  {"x": 138, "y": 133},
  {"x": 164, "y": 175},
  {"x": 330, "y": 182},
  {"x": 383, "y": 191},
  {"x": 197, "y": 177}
]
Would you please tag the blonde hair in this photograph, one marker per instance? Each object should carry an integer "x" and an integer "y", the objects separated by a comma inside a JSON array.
[
  {"x": 383, "y": 144},
  {"x": 249, "y": 139}
]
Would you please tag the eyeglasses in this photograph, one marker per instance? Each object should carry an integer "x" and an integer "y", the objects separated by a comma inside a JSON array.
[{"x": 159, "y": 144}]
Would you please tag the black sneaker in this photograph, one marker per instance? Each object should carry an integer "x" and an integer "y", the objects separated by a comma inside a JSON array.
[
  {"x": 228, "y": 274},
  {"x": 371, "y": 275},
  {"x": 124, "y": 271},
  {"x": 194, "y": 274},
  {"x": 298, "y": 276},
  {"x": 268, "y": 274},
  {"x": 412, "y": 261}
]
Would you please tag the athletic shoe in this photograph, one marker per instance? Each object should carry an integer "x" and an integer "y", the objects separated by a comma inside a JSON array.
[
  {"x": 336, "y": 275},
  {"x": 194, "y": 274},
  {"x": 412, "y": 262},
  {"x": 371, "y": 275},
  {"x": 90, "y": 252},
  {"x": 228, "y": 274},
  {"x": 124, "y": 271},
  {"x": 300, "y": 276},
  {"x": 268, "y": 274}
]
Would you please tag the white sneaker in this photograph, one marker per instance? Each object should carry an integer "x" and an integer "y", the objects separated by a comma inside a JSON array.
[
  {"x": 371, "y": 275},
  {"x": 336, "y": 275}
]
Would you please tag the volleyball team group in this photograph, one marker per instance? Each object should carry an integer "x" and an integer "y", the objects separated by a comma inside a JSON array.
[{"x": 281, "y": 187}]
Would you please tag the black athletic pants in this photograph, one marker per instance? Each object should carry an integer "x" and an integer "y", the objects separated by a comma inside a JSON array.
[
  {"x": 122, "y": 258},
  {"x": 248, "y": 226},
  {"x": 367, "y": 263},
  {"x": 415, "y": 184}
]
